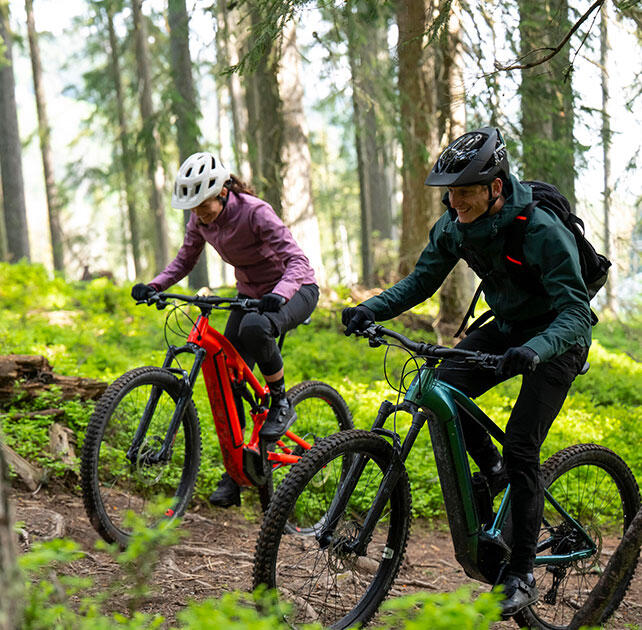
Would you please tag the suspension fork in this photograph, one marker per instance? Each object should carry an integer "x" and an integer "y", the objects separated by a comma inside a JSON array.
[
  {"x": 387, "y": 485},
  {"x": 187, "y": 387}
]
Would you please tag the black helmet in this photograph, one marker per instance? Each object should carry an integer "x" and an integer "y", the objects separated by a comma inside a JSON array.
[{"x": 477, "y": 157}]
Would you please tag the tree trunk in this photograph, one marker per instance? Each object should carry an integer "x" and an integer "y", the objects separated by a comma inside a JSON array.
[
  {"x": 150, "y": 139},
  {"x": 44, "y": 132},
  {"x": 13, "y": 194},
  {"x": 367, "y": 265},
  {"x": 606, "y": 145},
  {"x": 366, "y": 39},
  {"x": 265, "y": 122},
  {"x": 296, "y": 195},
  {"x": 9, "y": 577},
  {"x": 227, "y": 53},
  {"x": 4, "y": 253},
  {"x": 185, "y": 109},
  {"x": 415, "y": 122},
  {"x": 456, "y": 292},
  {"x": 126, "y": 157},
  {"x": 547, "y": 99},
  {"x": 623, "y": 559}
]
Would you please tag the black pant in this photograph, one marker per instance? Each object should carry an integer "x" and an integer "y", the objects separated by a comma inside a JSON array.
[
  {"x": 539, "y": 401},
  {"x": 254, "y": 335}
]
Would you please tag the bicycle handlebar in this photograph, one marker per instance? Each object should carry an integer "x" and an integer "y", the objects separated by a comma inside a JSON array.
[
  {"x": 376, "y": 332},
  {"x": 202, "y": 301}
]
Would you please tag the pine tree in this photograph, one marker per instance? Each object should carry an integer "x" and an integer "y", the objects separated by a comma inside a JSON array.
[
  {"x": 44, "y": 132},
  {"x": 15, "y": 213},
  {"x": 186, "y": 111}
]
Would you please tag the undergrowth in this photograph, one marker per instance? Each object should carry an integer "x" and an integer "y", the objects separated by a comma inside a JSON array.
[{"x": 95, "y": 330}]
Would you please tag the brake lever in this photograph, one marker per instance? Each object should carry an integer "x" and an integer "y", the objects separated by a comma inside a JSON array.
[
  {"x": 482, "y": 360},
  {"x": 154, "y": 299},
  {"x": 374, "y": 341}
]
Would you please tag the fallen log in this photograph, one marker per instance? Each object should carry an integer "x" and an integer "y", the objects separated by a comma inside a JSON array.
[
  {"x": 31, "y": 475},
  {"x": 27, "y": 376},
  {"x": 61, "y": 444}
]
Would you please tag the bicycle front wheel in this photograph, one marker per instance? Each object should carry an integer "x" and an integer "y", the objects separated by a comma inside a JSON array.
[
  {"x": 321, "y": 411},
  {"x": 597, "y": 489},
  {"x": 327, "y": 582},
  {"x": 117, "y": 479}
]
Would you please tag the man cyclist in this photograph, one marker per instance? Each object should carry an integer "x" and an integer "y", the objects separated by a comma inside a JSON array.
[{"x": 543, "y": 334}]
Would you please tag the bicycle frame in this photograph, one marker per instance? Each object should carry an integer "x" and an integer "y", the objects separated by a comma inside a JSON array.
[
  {"x": 224, "y": 371},
  {"x": 481, "y": 552}
]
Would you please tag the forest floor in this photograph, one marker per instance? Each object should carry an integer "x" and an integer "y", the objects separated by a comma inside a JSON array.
[{"x": 216, "y": 555}]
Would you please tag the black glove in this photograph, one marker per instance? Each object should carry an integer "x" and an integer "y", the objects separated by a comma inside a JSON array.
[
  {"x": 271, "y": 302},
  {"x": 142, "y": 291},
  {"x": 515, "y": 361},
  {"x": 356, "y": 318}
]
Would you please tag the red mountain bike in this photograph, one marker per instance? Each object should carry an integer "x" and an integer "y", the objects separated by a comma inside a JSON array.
[{"x": 143, "y": 441}]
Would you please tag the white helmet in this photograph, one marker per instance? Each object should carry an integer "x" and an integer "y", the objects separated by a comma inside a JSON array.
[{"x": 200, "y": 176}]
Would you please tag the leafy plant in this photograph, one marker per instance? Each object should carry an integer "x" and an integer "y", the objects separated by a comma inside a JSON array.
[{"x": 95, "y": 330}]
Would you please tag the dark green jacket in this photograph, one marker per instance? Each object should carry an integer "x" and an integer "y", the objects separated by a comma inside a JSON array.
[{"x": 548, "y": 245}]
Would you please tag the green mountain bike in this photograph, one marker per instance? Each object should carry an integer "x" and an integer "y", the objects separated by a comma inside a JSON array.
[{"x": 352, "y": 490}]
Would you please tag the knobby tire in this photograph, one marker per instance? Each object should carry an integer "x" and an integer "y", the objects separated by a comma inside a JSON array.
[
  {"x": 321, "y": 411},
  {"x": 331, "y": 585},
  {"x": 111, "y": 484},
  {"x": 597, "y": 488}
]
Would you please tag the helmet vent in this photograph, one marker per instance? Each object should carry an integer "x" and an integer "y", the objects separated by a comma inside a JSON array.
[{"x": 200, "y": 176}]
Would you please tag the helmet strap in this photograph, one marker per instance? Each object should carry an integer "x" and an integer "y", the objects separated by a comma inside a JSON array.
[
  {"x": 491, "y": 201},
  {"x": 223, "y": 198}
]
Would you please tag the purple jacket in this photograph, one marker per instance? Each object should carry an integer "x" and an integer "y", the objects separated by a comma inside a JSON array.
[{"x": 249, "y": 236}]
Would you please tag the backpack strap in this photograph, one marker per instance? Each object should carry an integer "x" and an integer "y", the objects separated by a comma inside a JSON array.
[{"x": 470, "y": 312}]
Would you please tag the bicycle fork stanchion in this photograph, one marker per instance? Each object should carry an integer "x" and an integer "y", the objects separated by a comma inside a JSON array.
[
  {"x": 187, "y": 385},
  {"x": 344, "y": 491},
  {"x": 387, "y": 485}
]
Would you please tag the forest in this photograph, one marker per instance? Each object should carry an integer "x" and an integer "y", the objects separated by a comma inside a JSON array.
[{"x": 334, "y": 112}]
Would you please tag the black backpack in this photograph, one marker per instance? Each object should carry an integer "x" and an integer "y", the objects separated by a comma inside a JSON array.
[{"x": 594, "y": 266}]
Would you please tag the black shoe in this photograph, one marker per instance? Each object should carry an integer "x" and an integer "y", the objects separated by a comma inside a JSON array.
[
  {"x": 280, "y": 418},
  {"x": 519, "y": 592},
  {"x": 227, "y": 493},
  {"x": 496, "y": 478}
]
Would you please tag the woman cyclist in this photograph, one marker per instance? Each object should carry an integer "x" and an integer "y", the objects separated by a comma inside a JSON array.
[{"x": 268, "y": 265}]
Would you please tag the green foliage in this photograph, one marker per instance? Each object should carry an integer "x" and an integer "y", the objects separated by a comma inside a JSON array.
[
  {"x": 95, "y": 330},
  {"x": 53, "y": 597},
  {"x": 439, "y": 611},
  {"x": 237, "y": 611},
  {"x": 48, "y": 591}
]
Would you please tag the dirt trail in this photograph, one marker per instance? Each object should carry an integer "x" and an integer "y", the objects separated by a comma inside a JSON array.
[{"x": 217, "y": 554}]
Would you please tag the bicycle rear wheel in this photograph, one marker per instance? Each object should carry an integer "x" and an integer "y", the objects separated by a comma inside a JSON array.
[
  {"x": 596, "y": 488},
  {"x": 114, "y": 483},
  {"x": 332, "y": 585},
  {"x": 321, "y": 411}
]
